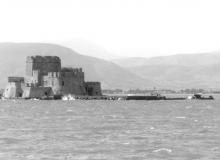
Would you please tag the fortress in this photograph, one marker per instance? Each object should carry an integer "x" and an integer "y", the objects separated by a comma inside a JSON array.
[{"x": 46, "y": 78}]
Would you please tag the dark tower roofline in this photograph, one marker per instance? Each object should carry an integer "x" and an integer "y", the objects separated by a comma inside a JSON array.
[{"x": 43, "y": 59}]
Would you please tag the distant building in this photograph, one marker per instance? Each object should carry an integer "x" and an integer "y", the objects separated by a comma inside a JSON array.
[{"x": 45, "y": 77}]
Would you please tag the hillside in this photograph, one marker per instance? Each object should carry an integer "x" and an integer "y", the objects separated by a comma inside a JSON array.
[
  {"x": 178, "y": 71},
  {"x": 180, "y": 60},
  {"x": 13, "y": 56},
  {"x": 88, "y": 48},
  {"x": 179, "y": 77}
]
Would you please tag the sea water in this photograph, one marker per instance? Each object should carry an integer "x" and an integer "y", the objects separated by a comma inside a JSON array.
[{"x": 111, "y": 130}]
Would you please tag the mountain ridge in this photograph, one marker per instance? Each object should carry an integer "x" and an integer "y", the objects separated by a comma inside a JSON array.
[
  {"x": 177, "y": 59},
  {"x": 178, "y": 71}
]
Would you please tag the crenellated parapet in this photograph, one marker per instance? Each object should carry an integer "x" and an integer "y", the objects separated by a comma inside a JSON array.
[
  {"x": 16, "y": 79},
  {"x": 43, "y": 64},
  {"x": 73, "y": 72},
  {"x": 54, "y": 75},
  {"x": 43, "y": 59}
]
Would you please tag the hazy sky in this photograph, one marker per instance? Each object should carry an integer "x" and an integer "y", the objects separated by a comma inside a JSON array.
[{"x": 123, "y": 27}]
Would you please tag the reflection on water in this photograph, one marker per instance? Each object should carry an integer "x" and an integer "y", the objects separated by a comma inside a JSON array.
[{"x": 109, "y": 130}]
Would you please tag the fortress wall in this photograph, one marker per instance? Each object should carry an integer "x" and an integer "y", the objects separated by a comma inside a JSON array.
[
  {"x": 42, "y": 64},
  {"x": 93, "y": 88},
  {"x": 77, "y": 76},
  {"x": 16, "y": 79},
  {"x": 53, "y": 80},
  {"x": 13, "y": 90},
  {"x": 72, "y": 85},
  {"x": 29, "y": 66},
  {"x": 37, "y": 92},
  {"x": 10, "y": 91},
  {"x": 72, "y": 81},
  {"x": 65, "y": 83},
  {"x": 73, "y": 72},
  {"x": 46, "y": 63},
  {"x": 35, "y": 79}
]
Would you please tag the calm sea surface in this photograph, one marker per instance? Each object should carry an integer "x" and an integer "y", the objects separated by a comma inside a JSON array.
[{"x": 111, "y": 130}]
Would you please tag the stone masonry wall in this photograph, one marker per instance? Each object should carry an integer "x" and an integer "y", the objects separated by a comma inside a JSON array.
[
  {"x": 53, "y": 80},
  {"x": 13, "y": 90},
  {"x": 37, "y": 92},
  {"x": 42, "y": 64},
  {"x": 93, "y": 88},
  {"x": 72, "y": 81}
]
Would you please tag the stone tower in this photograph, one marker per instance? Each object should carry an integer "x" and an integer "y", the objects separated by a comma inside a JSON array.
[
  {"x": 39, "y": 66},
  {"x": 72, "y": 81}
]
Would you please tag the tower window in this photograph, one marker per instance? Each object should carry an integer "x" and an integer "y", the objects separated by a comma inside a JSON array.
[{"x": 62, "y": 83}]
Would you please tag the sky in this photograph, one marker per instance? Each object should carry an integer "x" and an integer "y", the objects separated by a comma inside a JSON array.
[{"x": 133, "y": 28}]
